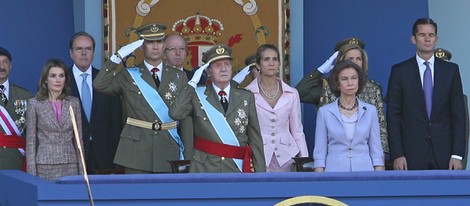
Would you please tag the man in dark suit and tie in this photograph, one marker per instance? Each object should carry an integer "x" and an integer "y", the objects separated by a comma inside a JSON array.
[
  {"x": 101, "y": 113},
  {"x": 426, "y": 111}
]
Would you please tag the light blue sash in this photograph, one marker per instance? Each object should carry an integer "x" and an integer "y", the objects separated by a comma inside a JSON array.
[
  {"x": 158, "y": 106},
  {"x": 220, "y": 124}
]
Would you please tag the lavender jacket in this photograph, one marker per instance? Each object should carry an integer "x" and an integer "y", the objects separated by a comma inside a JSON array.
[
  {"x": 337, "y": 154},
  {"x": 281, "y": 126}
]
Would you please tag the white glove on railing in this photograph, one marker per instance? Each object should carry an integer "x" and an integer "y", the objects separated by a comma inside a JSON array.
[
  {"x": 125, "y": 51},
  {"x": 240, "y": 76},
  {"x": 329, "y": 64},
  {"x": 197, "y": 75}
]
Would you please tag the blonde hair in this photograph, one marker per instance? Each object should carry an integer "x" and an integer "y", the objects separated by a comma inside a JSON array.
[{"x": 344, "y": 49}]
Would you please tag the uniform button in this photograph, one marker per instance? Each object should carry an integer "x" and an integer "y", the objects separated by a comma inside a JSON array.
[
  {"x": 273, "y": 120},
  {"x": 204, "y": 118},
  {"x": 273, "y": 141},
  {"x": 275, "y": 149},
  {"x": 349, "y": 156},
  {"x": 155, "y": 132},
  {"x": 350, "y": 148},
  {"x": 273, "y": 134},
  {"x": 138, "y": 92},
  {"x": 222, "y": 158},
  {"x": 273, "y": 126},
  {"x": 277, "y": 155},
  {"x": 4, "y": 147}
]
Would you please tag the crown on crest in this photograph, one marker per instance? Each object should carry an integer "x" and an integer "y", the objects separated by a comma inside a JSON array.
[{"x": 200, "y": 29}]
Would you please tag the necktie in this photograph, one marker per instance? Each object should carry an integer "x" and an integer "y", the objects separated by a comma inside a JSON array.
[
  {"x": 86, "y": 96},
  {"x": 155, "y": 76},
  {"x": 3, "y": 96},
  {"x": 427, "y": 88},
  {"x": 223, "y": 100}
]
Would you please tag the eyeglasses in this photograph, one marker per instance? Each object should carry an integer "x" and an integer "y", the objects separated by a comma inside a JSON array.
[
  {"x": 174, "y": 49},
  {"x": 83, "y": 50}
]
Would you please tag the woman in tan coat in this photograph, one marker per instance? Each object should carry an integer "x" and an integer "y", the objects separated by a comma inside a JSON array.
[{"x": 51, "y": 151}]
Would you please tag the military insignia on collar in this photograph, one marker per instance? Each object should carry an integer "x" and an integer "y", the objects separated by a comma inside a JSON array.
[{"x": 245, "y": 103}]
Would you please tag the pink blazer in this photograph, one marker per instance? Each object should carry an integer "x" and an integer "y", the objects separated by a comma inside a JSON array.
[{"x": 281, "y": 126}]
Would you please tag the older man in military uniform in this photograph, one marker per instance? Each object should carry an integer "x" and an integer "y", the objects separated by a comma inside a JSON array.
[
  {"x": 12, "y": 112},
  {"x": 149, "y": 139},
  {"x": 227, "y": 134}
]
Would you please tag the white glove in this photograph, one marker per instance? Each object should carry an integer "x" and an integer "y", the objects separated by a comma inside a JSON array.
[
  {"x": 126, "y": 50},
  {"x": 240, "y": 76},
  {"x": 329, "y": 64},
  {"x": 197, "y": 75}
]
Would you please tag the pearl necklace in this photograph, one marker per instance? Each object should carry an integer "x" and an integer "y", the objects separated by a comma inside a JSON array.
[{"x": 266, "y": 94}]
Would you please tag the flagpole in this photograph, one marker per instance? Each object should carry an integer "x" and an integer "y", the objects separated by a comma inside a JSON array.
[{"x": 82, "y": 159}]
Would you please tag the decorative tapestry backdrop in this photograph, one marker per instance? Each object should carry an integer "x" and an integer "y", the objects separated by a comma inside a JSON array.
[{"x": 241, "y": 24}]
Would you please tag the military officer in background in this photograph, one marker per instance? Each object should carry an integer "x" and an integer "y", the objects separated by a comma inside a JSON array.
[
  {"x": 13, "y": 100},
  {"x": 150, "y": 138}
]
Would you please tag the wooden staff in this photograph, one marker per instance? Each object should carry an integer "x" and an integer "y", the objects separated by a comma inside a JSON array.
[{"x": 82, "y": 159}]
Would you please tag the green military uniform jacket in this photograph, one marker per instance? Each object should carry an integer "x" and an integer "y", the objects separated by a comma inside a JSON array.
[
  {"x": 241, "y": 116},
  {"x": 140, "y": 148},
  {"x": 11, "y": 158}
]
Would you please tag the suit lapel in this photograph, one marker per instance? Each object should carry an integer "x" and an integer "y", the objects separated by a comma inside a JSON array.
[
  {"x": 334, "y": 109},
  {"x": 49, "y": 112},
  {"x": 146, "y": 76},
  {"x": 440, "y": 78},
  {"x": 13, "y": 95},
  {"x": 213, "y": 99},
  {"x": 417, "y": 86},
  {"x": 235, "y": 100}
]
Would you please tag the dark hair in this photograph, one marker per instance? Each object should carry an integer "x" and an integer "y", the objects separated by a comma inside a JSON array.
[
  {"x": 263, "y": 48},
  {"x": 333, "y": 79},
  {"x": 43, "y": 90},
  {"x": 79, "y": 34},
  {"x": 422, "y": 21}
]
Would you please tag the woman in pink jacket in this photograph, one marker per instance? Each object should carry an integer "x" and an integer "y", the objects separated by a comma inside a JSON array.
[{"x": 278, "y": 109}]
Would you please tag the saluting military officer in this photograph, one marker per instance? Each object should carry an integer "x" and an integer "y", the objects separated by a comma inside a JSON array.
[
  {"x": 149, "y": 139},
  {"x": 227, "y": 134}
]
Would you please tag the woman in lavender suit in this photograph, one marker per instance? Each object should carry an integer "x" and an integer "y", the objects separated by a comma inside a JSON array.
[{"x": 347, "y": 136}]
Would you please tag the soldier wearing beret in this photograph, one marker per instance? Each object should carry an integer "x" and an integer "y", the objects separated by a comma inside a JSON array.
[
  {"x": 150, "y": 138},
  {"x": 12, "y": 109},
  {"x": 227, "y": 133},
  {"x": 313, "y": 88}
]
